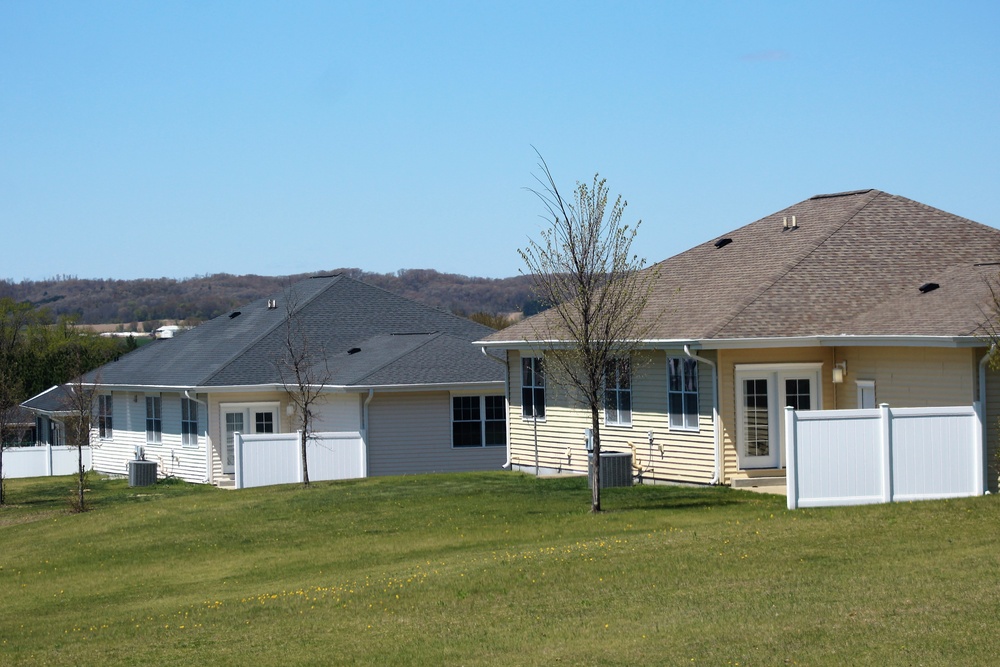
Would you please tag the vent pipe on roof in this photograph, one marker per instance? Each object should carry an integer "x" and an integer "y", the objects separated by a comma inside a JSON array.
[
  {"x": 272, "y": 304},
  {"x": 786, "y": 225}
]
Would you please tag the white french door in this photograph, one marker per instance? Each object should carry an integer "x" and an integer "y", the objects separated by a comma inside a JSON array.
[
  {"x": 245, "y": 418},
  {"x": 762, "y": 393}
]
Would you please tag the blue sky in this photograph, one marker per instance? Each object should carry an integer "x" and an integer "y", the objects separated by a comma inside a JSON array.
[{"x": 149, "y": 139}]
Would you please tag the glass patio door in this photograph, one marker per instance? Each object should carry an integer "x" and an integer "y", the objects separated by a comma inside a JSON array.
[{"x": 762, "y": 394}]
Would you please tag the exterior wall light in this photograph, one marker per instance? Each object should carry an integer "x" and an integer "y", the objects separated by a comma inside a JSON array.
[{"x": 839, "y": 371}]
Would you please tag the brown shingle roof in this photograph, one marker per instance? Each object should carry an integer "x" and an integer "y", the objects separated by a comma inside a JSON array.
[{"x": 852, "y": 266}]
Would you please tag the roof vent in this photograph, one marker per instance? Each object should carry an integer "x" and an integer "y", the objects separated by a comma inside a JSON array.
[
  {"x": 722, "y": 243},
  {"x": 235, "y": 313},
  {"x": 786, "y": 225},
  {"x": 354, "y": 350},
  {"x": 928, "y": 287},
  {"x": 272, "y": 304}
]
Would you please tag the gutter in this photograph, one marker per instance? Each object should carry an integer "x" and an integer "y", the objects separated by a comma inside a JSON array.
[
  {"x": 506, "y": 399},
  {"x": 717, "y": 440},
  {"x": 982, "y": 407},
  {"x": 208, "y": 444},
  {"x": 371, "y": 395}
]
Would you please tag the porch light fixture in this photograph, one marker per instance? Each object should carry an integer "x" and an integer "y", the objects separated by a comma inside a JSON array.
[
  {"x": 839, "y": 371},
  {"x": 290, "y": 409}
]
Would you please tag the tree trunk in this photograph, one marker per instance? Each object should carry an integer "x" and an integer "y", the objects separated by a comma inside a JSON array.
[
  {"x": 303, "y": 438},
  {"x": 79, "y": 458},
  {"x": 595, "y": 462}
]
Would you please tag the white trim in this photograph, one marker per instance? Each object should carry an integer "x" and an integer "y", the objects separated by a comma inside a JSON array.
[
  {"x": 771, "y": 342},
  {"x": 861, "y": 386},
  {"x": 803, "y": 366}
]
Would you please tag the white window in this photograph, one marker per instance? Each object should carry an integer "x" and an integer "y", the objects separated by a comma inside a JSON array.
[
  {"x": 104, "y": 417},
  {"x": 189, "y": 422},
  {"x": 682, "y": 393},
  {"x": 532, "y": 388},
  {"x": 478, "y": 421},
  {"x": 618, "y": 393},
  {"x": 154, "y": 421}
]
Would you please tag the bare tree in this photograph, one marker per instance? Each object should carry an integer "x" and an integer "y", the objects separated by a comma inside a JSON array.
[
  {"x": 80, "y": 400},
  {"x": 597, "y": 292},
  {"x": 14, "y": 319},
  {"x": 304, "y": 374}
]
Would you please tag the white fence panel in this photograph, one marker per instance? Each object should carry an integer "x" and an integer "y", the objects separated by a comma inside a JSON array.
[
  {"x": 852, "y": 457},
  {"x": 336, "y": 456},
  {"x": 275, "y": 458},
  {"x": 43, "y": 461},
  {"x": 838, "y": 459},
  {"x": 934, "y": 453}
]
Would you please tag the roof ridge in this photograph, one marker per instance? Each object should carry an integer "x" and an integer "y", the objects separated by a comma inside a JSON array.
[
  {"x": 430, "y": 337},
  {"x": 798, "y": 261},
  {"x": 267, "y": 330}
]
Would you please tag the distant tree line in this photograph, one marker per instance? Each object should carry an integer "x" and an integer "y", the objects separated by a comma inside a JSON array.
[{"x": 146, "y": 301}]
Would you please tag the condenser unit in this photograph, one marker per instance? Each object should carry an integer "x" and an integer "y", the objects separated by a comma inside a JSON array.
[
  {"x": 616, "y": 470},
  {"x": 141, "y": 473}
]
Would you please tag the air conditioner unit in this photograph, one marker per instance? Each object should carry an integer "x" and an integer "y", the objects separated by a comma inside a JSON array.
[
  {"x": 141, "y": 473},
  {"x": 616, "y": 470}
]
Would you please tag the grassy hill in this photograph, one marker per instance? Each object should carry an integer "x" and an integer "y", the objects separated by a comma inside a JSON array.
[
  {"x": 486, "y": 569},
  {"x": 98, "y": 301}
]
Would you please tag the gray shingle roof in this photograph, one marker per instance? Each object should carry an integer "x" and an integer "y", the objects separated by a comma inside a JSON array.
[
  {"x": 335, "y": 314},
  {"x": 852, "y": 266}
]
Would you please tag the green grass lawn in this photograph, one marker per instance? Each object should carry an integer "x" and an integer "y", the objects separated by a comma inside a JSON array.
[{"x": 492, "y": 568}]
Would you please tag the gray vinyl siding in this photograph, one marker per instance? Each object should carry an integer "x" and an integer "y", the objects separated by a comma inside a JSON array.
[{"x": 411, "y": 433}]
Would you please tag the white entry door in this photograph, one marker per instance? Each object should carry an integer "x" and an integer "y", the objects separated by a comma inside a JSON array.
[
  {"x": 246, "y": 418},
  {"x": 762, "y": 393}
]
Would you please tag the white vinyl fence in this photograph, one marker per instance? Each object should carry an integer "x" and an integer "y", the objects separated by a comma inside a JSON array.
[
  {"x": 853, "y": 457},
  {"x": 263, "y": 459},
  {"x": 43, "y": 461}
]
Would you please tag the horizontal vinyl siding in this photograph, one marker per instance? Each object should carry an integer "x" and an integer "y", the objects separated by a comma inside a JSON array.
[
  {"x": 129, "y": 430},
  {"x": 411, "y": 433},
  {"x": 908, "y": 377},
  {"x": 685, "y": 456}
]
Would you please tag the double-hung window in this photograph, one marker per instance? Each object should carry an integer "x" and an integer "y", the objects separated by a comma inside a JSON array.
[
  {"x": 532, "y": 388},
  {"x": 682, "y": 393},
  {"x": 154, "y": 421},
  {"x": 104, "y": 417},
  {"x": 618, "y": 393},
  {"x": 189, "y": 422},
  {"x": 478, "y": 421}
]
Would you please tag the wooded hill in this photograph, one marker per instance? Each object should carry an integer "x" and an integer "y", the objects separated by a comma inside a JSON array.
[{"x": 97, "y": 301}]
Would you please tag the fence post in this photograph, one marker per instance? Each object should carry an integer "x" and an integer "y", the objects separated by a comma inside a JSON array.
[
  {"x": 885, "y": 427},
  {"x": 238, "y": 458},
  {"x": 979, "y": 453},
  {"x": 48, "y": 459},
  {"x": 791, "y": 455}
]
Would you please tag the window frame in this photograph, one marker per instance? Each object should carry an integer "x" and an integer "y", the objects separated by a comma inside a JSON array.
[
  {"x": 618, "y": 392},
  {"x": 105, "y": 417},
  {"x": 154, "y": 436},
  {"x": 189, "y": 427},
  {"x": 482, "y": 410},
  {"x": 535, "y": 388},
  {"x": 684, "y": 364}
]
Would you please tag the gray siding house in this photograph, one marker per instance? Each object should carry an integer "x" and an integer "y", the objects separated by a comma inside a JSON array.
[{"x": 403, "y": 374}]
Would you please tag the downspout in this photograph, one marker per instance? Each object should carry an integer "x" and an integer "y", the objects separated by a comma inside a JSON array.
[
  {"x": 371, "y": 395},
  {"x": 716, "y": 439},
  {"x": 208, "y": 446},
  {"x": 982, "y": 408},
  {"x": 506, "y": 399}
]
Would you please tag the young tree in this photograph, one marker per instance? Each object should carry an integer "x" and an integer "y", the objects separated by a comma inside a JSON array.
[
  {"x": 304, "y": 374},
  {"x": 597, "y": 292},
  {"x": 80, "y": 400}
]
